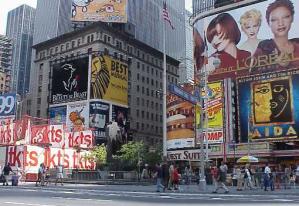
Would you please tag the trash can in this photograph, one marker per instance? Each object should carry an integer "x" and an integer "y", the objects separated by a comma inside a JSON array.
[{"x": 15, "y": 180}]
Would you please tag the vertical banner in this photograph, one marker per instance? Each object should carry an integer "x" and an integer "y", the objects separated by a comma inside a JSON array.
[
  {"x": 98, "y": 119},
  {"x": 180, "y": 121},
  {"x": 268, "y": 106},
  {"x": 100, "y": 10},
  {"x": 77, "y": 117},
  {"x": 57, "y": 115}
]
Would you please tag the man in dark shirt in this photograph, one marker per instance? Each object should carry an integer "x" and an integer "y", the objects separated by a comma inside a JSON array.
[
  {"x": 159, "y": 177},
  {"x": 6, "y": 170}
]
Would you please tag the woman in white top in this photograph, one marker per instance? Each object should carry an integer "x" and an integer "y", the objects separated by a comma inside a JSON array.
[
  {"x": 250, "y": 23},
  {"x": 247, "y": 178}
]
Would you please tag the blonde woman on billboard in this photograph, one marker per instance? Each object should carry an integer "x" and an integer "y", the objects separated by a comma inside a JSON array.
[
  {"x": 250, "y": 23},
  {"x": 279, "y": 16},
  {"x": 223, "y": 33}
]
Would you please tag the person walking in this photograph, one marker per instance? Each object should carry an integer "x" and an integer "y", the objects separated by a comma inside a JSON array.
[
  {"x": 239, "y": 179},
  {"x": 266, "y": 177},
  {"x": 221, "y": 180},
  {"x": 40, "y": 175},
  {"x": 159, "y": 177},
  {"x": 59, "y": 174},
  {"x": 165, "y": 174},
  {"x": 6, "y": 171},
  {"x": 170, "y": 182},
  {"x": 188, "y": 174},
  {"x": 247, "y": 178}
]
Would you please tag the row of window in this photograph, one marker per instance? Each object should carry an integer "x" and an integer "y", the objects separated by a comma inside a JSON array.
[{"x": 148, "y": 127}]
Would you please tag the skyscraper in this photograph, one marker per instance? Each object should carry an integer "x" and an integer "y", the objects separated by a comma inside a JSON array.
[
  {"x": 144, "y": 23},
  {"x": 5, "y": 63},
  {"x": 20, "y": 29}
]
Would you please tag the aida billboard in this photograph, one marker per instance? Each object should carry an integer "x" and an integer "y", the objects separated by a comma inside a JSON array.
[
  {"x": 100, "y": 10},
  {"x": 268, "y": 106},
  {"x": 69, "y": 81},
  {"x": 109, "y": 80},
  {"x": 255, "y": 39},
  {"x": 180, "y": 121}
]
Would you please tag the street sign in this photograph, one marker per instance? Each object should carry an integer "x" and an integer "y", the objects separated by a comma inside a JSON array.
[{"x": 176, "y": 90}]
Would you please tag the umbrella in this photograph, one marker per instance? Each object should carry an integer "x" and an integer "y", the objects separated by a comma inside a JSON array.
[{"x": 247, "y": 159}]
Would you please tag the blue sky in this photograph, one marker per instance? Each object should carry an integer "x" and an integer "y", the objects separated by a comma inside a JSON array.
[{"x": 7, "y": 5}]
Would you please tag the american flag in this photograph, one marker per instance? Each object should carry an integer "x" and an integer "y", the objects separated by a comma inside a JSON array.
[{"x": 166, "y": 15}]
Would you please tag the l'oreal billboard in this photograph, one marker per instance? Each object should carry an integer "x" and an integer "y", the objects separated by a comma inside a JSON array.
[
  {"x": 109, "y": 80},
  {"x": 100, "y": 10},
  {"x": 255, "y": 39},
  {"x": 268, "y": 106}
]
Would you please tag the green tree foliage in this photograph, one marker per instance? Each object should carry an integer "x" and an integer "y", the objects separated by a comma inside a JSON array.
[{"x": 99, "y": 153}]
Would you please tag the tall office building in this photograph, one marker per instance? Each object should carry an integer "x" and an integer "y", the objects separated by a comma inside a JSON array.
[
  {"x": 20, "y": 29},
  {"x": 5, "y": 63},
  {"x": 144, "y": 23},
  {"x": 200, "y": 6}
]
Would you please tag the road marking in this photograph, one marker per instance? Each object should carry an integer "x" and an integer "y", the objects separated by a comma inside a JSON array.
[
  {"x": 283, "y": 200},
  {"x": 29, "y": 204},
  {"x": 82, "y": 199}
]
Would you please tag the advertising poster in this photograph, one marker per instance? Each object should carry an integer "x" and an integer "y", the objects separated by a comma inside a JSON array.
[
  {"x": 69, "y": 81},
  {"x": 98, "y": 119},
  {"x": 8, "y": 105},
  {"x": 180, "y": 121},
  {"x": 109, "y": 80},
  {"x": 57, "y": 115},
  {"x": 77, "y": 118},
  {"x": 120, "y": 116},
  {"x": 100, "y": 10},
  {"x": 268, "y": 106},
  {"x": 248, "y": 40}
]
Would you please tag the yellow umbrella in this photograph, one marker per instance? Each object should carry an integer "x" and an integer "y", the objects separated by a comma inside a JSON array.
[{"x": 247, "y": 159}]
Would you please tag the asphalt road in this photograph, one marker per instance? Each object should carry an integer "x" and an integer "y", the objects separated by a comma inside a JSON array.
[{"x": 122, "y": 195}]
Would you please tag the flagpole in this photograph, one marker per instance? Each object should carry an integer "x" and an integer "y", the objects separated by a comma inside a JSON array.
[{"x": 164, "y": 94}]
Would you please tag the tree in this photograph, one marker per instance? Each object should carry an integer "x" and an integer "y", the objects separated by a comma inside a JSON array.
[{"x": 99, "y": 153}]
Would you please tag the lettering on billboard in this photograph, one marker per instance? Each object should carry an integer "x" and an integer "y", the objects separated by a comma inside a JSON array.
[
  {"x": 248, "y": 40},
  {"x": 100, "y": 10},
  {"x": 215, "y": 105},
  {"x": 109, "y": 80},
  {"x": 269, "y": 102},
  {"x": 69, "y": 81},
  {"x": 192, "y": 155}
]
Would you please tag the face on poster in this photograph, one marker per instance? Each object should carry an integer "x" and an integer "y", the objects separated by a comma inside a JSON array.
[
  {"x": 69, "y": 81},
  {"x": 100, "y": 10},
  {"x": 258, "y": 38},
  {"x": 120, "y": 116},
  {"x": 77, "y": 118},
  {"x": 109, "y": 79},
  {"x": 57, "y": 115},
  {"x": 267, "y": 106},
  {"x": 98, "y": 118}
]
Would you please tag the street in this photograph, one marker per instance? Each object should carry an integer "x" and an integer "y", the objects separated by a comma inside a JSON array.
[{"x": 91, "y": 195}]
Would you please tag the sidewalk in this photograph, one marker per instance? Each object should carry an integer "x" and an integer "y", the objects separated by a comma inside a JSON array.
[{"x": 184, "y": 189}]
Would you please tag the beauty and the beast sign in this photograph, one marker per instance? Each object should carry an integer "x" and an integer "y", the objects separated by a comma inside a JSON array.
[{"x": 267, "y": 106}]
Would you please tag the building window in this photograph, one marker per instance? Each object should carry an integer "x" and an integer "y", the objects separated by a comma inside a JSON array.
[
  {"x": 61, "y": 47},
  {"x": 73, "y": 44},
  {"x": 38, "y": 113},
  {"x": 137, "y": 88},
  {"x": 67, "y": 46},
  {"x": 138, "y": 76},
  {"x": 137, "y": 113},
  {"x": 79, "y": 42},
  {"x": 39, "y": 100},
  {"x": 137, "y": 100}
]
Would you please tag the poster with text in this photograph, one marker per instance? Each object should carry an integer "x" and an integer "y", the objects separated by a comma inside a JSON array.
[
  {"x": 77, "y": 118},
  {"x": 268, "y": 106}
]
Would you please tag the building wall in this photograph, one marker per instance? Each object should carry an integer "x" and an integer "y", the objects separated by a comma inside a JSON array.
[
  {"x": 5, "y": 60},
  {"x": 20, "y": 29},
  {"x": 145, "y": 74}
]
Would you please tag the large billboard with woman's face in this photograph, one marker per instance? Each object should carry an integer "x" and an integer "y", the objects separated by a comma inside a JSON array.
[
  {"x": 255, "y": 39},
  {"x": 268, "y": 106}
]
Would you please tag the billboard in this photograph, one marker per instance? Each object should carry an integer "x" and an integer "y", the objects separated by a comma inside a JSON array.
[
  {"x": 98, "y": 119},
  {"x": 8, "y": 105},
  {"x": 57, "y": 115},
  {"x": 100, "y": 10},
  {"x": 77, "y": 118},
  {"x": 268, "y": 106},
  {"x": 109, "y": 80},
  {"x": 248, "y": 40},
  {"x": 69, "y": 81},
  {"x": 180, "y": 121},
  {"x": 120, "y": 116}
]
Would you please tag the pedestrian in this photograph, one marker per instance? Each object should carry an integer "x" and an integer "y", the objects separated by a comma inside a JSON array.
[
  {"x": 221, "y": 180},
  {"x": 145, "y": 172},
  {"x": 40, "y": 175},
  {"x": 188, "y": 174},
  {"x": 47, "y": 176},
  {"x": 266, "y": 176},
  {"x": 247, "y": 177},
  {"x": 287, "y": 174},
  {"x": 6, "y": 171},
  {"x": 234, "y": 176},
  {"x": 165, "y": 174},
  {"x": 239, "y": 179},
  {"x": 170, "y": 182},
  {"x": 59, "y": 174},
  {"x": 176, "y": 178},
  {"x": 214, "y": 172},
  {"x": 158, "y": 175},
  {"x": 297, "y": 174}
]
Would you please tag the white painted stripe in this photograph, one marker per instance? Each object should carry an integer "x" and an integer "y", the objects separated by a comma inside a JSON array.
[{"x": 28, "y": 204}]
